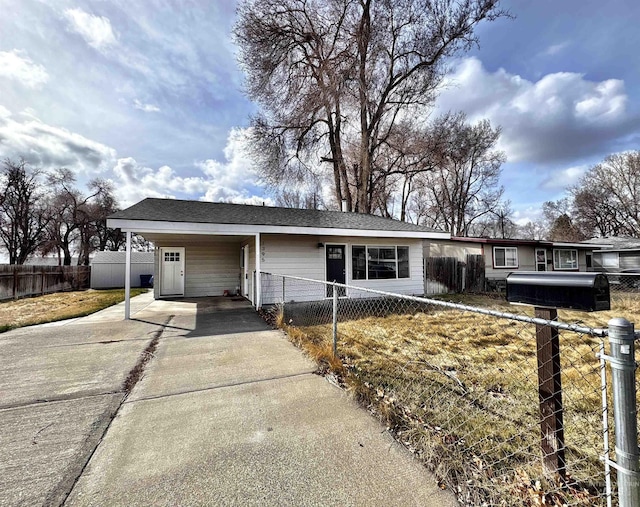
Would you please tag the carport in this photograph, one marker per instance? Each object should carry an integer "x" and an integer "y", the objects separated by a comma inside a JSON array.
[{"x": 204, "y": 249}]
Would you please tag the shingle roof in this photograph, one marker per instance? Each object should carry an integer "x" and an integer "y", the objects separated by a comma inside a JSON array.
[
  {"x": 617, "y": 242},
  {"x": 173, "y": 210}
]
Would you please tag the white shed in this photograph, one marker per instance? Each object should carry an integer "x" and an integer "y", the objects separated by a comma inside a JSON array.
[{"x": 107, "y": 269}]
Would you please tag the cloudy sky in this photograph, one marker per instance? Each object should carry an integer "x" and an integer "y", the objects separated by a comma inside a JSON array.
[{"x": 148, "y": 94}]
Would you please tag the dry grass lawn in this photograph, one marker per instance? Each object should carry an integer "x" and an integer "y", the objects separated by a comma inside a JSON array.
[
  {"x": 460, "y": 390},
  {"x": 59, "y": 306}
]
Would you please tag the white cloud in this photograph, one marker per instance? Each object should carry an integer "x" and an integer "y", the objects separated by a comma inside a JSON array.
[
  {"x": 528, "y": 214},
  {"x": 17, "y": 65},
  {"x": 233, "y": 180},
  {"x": 554, "y": 49},
  {"x": 228, "y": 181},
  {"x": 49, "y": 147},
  {"x": 162, "y": 181},
  {"x": 562, "y": 116},
  {"x": 96, "y": 30},
  {"x": 560, "y": 180},
  {"x": 147, "y": 108}
]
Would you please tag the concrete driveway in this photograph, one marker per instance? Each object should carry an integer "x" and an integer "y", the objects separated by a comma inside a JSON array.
[{"x": 227, "y": 412}]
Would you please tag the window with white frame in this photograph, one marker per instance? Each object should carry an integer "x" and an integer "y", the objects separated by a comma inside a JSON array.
[
  {"x": 505, "y": 257},
  {"x": 610, "y": 260},
  {"x": 379, "y": 262},
  {"x": 565, "y": 259}
]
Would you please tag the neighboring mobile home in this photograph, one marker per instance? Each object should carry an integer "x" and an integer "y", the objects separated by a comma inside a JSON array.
[
  {"x": 205, "y": 249},
  {"x": 504, "y": 256},
  {"x": 615, "y": 254}
]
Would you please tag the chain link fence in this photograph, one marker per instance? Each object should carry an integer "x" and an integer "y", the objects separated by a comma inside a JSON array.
[
  {"x": 628, "y": 283},
  {"x": 458, "y": 385}
]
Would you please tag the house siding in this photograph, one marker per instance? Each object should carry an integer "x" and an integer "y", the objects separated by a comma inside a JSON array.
[
  {"x": 626, "y": 260},
  {"x": 301, "y": 256},
  {"x": 210, "y": 268},
  {"x": 457, "y": 250},
  {"x": 629, "y": 260},
  {"x": 526, "y": 261}
]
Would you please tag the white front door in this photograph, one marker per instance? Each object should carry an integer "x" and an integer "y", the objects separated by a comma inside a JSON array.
[{"x": 172, "y": 271}]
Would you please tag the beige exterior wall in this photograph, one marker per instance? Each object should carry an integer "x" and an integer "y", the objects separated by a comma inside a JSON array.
[
  {"x": 526, "y": 261},
  {"x": 455, "y": 249},
  {"x": 211, "y": 266}
]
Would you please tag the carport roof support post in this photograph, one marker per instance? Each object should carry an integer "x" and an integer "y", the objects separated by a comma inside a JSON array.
[
  {"x": 258, "y": 273},
  {"x": 127, "y": 279}
]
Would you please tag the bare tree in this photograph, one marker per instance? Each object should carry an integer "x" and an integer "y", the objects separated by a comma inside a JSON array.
[
  {"x": 497, "y": 224},
  {"x": 334, "y": 78},
  {"x": 23, "y": 217},
  {"x": 532, "y": 230},
  {"x": 74, "y": 216},
  {"x": 105, "y": 204},
  {"x": 464, "y": 188},
  {"x": 606, "y": 201}
]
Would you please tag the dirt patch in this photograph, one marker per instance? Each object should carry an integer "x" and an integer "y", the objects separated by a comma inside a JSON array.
[{"x": 60, "y": 306}]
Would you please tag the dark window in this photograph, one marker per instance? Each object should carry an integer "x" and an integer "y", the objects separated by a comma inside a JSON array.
[
  {"x": 379, "y": 263},
  {"x": 359, "y": 262},
  {"x": 403, "y": 262},
  {"x": 334, "y": 252}
]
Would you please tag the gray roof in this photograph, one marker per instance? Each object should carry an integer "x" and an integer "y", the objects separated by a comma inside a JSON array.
[
  {"x": 173, "y": 210},
  {"x": 616, "y": 242}
]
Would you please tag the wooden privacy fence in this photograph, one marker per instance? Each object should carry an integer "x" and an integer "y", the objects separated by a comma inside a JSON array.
[
  {"x": 448, "y": 274},
  {"x": 23, "y": 281}
]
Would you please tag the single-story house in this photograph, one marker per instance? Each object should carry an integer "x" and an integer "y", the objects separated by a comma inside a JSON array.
[
  {"x": 108, "y": 268},
  {"x": 504, "y": 256},
  {"x": 205, "y": 249},
  {"x": 615, "y": 254}
]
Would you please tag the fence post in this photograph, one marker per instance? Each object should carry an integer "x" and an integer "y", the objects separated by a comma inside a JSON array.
[
  {"x": 283, "y": 290},
  {"x": 623, "y": 367},
  {"x": 335, "y": 320},
  {"x": 15, "y": 283},
  {"x": 550, "y": 395}
]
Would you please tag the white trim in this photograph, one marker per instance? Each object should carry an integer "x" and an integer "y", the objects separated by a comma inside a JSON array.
[
  {"x": 258, "y": 301},
  {"x": 609, "y": 264},
  {"x": 555, "y": 266},
  {"x": 505, "y": 248},
  {"x": 244, "y": 254},
  {"x": 149, "y": 226},
  {"x": 536, "y": 250}
]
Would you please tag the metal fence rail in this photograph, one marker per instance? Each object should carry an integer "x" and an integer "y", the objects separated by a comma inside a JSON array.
[{"x": 459, "y": 385}]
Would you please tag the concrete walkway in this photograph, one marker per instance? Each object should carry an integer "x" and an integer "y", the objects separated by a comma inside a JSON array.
[
  {"x": 227, "y": 412},
  {"x": 60, "y": 386}
]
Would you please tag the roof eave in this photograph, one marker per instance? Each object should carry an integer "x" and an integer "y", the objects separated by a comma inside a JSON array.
[{"x": 164, "y": 227}]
